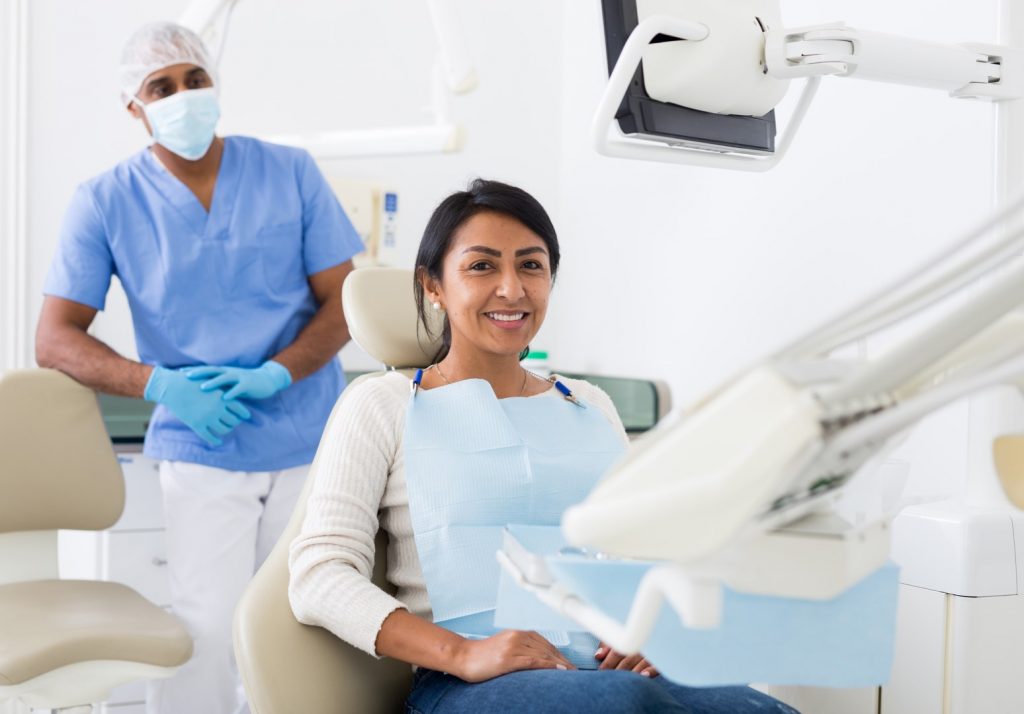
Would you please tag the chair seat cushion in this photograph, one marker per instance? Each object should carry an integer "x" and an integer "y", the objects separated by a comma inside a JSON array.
[{"x": 46, "y": 624}]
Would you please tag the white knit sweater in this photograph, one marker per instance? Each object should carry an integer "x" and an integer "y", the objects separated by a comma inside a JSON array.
[{"x": 358, "y": 478}]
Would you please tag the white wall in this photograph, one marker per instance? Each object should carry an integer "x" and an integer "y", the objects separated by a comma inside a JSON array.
[
  {"x": 301, "y": 66},
  {"x": 692, "y": 274},
  {"x": 77, "y": 127},
  {"x": 683, "y": 274}
]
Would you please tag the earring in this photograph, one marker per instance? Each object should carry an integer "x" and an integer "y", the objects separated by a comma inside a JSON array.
[{"x": 437, "y": 306}]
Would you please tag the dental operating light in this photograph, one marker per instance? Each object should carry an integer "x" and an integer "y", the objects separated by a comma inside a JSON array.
[{"x": 698, "y": 80}]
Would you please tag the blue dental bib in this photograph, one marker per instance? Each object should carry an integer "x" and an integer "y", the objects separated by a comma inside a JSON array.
[{"x": 475, "y": 463}]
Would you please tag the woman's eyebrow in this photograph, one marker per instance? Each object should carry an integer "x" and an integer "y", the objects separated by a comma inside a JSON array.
[
  {"x": 497, "y": 253},
  {"x": 482, "y": 249}
]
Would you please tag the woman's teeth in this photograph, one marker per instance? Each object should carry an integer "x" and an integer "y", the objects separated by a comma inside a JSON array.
[{"x": 505, "y": 317}]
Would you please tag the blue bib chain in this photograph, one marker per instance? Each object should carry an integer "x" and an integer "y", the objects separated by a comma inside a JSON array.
[{"x": 562, "y": 389}]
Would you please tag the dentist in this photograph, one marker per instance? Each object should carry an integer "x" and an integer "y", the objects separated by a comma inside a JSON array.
[{"x": 232, "y": 253}]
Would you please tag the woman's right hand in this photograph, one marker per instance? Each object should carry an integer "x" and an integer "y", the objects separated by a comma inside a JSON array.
[{"x": 507, "y": 651}]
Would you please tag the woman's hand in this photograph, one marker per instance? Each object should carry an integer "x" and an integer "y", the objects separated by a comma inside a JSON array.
[
  {"x": 507, "y": 651},
  {"x": 610, "y": 659}
]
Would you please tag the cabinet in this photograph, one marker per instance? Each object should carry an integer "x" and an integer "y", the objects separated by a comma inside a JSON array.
[
  {"x": 132, "y": 552},
  {"x": 956, "y": 655},
  {"x": 960, "y": 625}
]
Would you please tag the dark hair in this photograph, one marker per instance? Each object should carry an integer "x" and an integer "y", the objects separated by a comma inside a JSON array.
[{"x": 481, "y": 196}]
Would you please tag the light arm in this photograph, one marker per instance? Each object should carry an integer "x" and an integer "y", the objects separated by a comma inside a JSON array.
[
  {"x": 211, "y": 20},
  {"x": 864, "y": 54}
]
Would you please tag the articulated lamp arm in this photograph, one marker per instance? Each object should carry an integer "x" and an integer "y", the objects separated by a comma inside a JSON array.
[{"x": 453, "y": 73}]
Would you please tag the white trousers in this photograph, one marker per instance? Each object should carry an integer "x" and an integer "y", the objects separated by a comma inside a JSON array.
[{"x": 221, "y": 525}]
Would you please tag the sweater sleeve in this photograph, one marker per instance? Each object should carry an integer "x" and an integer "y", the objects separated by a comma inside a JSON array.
[{"x": 331, "y": 561}]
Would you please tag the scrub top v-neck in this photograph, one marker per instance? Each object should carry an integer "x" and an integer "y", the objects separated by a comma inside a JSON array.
[
  {"x": 224, "y": 287},
  {"x": 203, "y": 223}
]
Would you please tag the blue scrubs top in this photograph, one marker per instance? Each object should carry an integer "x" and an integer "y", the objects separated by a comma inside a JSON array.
[{"x": 225, "y": 288}]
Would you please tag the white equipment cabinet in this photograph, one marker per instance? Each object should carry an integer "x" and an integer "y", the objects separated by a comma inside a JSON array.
[
  {"x": 960, "y": 627},
  {"x": 131, "y": 552},
  {"x": 956, "y": 655}
]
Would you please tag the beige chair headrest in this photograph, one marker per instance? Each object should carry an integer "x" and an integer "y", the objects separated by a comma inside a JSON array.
[
  {"x": 381, "y": 314},
  {"x": 57, "y": 466}
]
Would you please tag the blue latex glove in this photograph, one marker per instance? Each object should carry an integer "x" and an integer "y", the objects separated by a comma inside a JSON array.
[
  {"x": 205, "y": 413},
  {"x": 264, "y": 381}
]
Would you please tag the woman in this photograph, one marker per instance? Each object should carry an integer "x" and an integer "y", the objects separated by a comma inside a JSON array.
[{"x": 479, "y": 443}]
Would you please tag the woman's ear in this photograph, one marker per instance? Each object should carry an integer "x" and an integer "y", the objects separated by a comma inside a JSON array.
[{"x": 431, "y": 287}]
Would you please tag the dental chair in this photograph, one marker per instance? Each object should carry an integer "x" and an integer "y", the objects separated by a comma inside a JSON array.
[
  {"x": 64, "y": 644},
  {"x": 289, "y": 667}
]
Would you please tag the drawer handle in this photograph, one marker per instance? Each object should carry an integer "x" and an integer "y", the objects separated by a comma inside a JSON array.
[{"x": 158, "y": 561}]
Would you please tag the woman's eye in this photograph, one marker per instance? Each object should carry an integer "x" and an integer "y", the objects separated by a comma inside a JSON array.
[
  {"x": 533, "y": 265},
  {"x": 482, "y": 265}
]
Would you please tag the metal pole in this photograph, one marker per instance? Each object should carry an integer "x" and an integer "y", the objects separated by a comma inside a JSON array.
[{"x": 999, "y": 411}]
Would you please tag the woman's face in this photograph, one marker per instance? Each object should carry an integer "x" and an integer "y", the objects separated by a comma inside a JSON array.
[{"x": 495, "y": 285}]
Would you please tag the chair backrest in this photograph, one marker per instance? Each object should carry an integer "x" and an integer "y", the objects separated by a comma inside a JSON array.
[
  {"x": 289, "y": 667},
  {"x": 57, "y": 466},
  {"x": 380, "y": 312}
]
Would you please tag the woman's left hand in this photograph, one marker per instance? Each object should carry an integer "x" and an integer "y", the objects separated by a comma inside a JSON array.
[{"x": 610, "y": 659}]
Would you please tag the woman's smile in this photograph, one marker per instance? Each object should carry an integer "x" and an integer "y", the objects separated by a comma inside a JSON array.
[{"x": 507, "y": 319}]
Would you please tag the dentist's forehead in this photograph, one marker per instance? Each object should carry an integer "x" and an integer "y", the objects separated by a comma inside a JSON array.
[{"x": 156, "y": 46}]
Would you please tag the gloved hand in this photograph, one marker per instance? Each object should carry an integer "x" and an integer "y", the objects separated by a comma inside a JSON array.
[
  {"x": 264, "y": 381},
  {"x": 205, "y": 413}
]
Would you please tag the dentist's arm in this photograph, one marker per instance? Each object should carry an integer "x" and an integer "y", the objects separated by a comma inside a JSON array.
[
  {"x": 63, "y": 343},
  {"x": 317, "y": 343},
  {"x": 325, "y": 335}
]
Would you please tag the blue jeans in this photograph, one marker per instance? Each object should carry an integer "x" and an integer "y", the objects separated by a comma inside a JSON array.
[{"x": 553, "y": 691}]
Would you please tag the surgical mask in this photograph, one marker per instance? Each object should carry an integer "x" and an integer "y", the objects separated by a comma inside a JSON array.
[{"x": 184, "y": 122}]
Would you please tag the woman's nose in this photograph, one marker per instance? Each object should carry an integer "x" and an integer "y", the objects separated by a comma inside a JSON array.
[{"x": 510, "y": 287}]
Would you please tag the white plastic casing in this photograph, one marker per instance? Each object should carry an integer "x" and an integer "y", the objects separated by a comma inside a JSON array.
[{"x": 958, "y": 549}]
